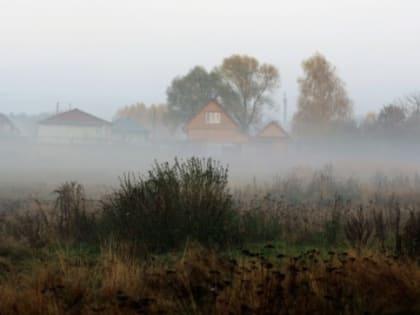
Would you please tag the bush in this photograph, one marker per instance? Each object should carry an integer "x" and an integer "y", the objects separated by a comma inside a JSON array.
[
  {"x": 188, "y": 200},
  {"x": 359, "y": 229},
  {"x": 70, "y": 218},
  {"x": 411, "y": 235},
  {"x": 260, "y": 219}
]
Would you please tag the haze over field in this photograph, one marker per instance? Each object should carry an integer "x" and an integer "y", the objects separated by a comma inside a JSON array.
[
  {"x": 214, "y": 157},
  {"x": 101, "y": 55}
]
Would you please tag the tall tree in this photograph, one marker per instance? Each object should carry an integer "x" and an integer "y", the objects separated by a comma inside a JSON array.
[
  {"x": 391, "y": 116},
  {"x": 411, "y": 105},
  {"x": 323, "y": 100},
  {"x": 189, "y": 93},
  {"x": 252, "y": 82}
]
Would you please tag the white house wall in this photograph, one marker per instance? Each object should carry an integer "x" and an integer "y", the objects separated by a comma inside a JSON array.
[{"x": 72, "y": 134}]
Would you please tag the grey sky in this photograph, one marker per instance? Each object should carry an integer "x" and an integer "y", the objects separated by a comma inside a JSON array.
[{"x": 99, "y": 55}]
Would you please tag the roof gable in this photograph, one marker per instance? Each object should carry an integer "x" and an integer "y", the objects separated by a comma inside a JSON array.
[
  {"x": 74, "y": 117},
  {"x": 272, "y": 130},
  {"x": 198, "y": 120}
]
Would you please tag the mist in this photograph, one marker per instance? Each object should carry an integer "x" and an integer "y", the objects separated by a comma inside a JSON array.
[
  {"x": 31, "y": 170},
  {"x": 209, "y": 157},
  {"x": 102, "y": 55}
]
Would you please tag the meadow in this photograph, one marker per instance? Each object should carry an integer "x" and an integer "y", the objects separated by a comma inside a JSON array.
[{"x": 182, "y": 239}]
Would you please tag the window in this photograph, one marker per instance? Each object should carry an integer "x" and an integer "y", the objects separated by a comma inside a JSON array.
[{"x": 213, "y": 118}]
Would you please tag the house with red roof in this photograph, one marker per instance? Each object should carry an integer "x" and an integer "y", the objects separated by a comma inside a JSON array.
[
  {"x": 213, "y": 124},
  {"x": 74, "y": 127},
  {"x": 272, "y": 137}
]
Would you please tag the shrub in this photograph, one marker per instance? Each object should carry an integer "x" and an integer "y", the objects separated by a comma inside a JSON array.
[
  {"x": 359, "y": 229},
  {"x": 260, "y": 219},
  {"x": 411, "y": 235},
  {"x": 70, "y": 218},
  {"x": 333, "y": 226},
  {"x": 188, "y": 200}
]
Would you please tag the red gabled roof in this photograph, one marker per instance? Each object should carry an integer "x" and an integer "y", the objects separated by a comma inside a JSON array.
[
  {"x": 74, "y": 117},
  {"x": 220, "y": 107}
]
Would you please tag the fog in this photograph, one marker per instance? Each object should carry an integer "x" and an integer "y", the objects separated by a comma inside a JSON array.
[
  {"x": 33, "y": 170},
  {"x": 101, "y": 55}
]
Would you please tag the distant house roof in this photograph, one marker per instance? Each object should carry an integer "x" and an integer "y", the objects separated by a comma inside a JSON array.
[
  {"x": 272, "y": 130},
  {"x": 6, "y": 124},
  {"x": 74, "y": 117},
  {"x": 128, "y": 125}
]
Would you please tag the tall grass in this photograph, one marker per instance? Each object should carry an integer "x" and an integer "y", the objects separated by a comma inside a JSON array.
[{"x": 177, "y": 241}]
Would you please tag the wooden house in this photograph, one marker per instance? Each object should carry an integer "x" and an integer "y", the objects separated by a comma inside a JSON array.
[
  {"x": 213, "y": 125},
  {"x": 272, "y": 136}
]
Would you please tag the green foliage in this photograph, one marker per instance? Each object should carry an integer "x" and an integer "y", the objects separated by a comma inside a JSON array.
[
  {"x": 188, "y": 200},
  {"x": 188, "y": 93},
  {"x": 241, "y": 84}
]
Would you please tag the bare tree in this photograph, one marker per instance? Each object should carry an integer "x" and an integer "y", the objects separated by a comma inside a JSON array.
[
  {"x": 323, "y": 100},
  {"x": 252, "y": 82}
]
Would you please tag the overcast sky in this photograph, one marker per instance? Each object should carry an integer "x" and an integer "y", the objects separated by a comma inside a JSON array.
[{"x": 99, "y": 55}]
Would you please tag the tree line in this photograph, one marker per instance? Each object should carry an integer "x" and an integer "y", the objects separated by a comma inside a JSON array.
[{"x": 244, "y": 86}]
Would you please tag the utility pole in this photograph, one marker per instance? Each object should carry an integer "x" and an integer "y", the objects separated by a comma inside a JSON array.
[
  {"x": 57, "y": 107},
  {"x": 285, "y": 110}
]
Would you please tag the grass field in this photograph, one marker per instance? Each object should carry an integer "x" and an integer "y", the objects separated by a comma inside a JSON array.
[{"x": 182, "y": 240}]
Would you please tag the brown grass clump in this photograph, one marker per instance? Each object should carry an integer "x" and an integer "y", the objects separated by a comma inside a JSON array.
[{"x": 201, "y": 282}]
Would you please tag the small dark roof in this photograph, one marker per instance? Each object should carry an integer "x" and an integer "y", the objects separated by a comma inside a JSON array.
[
  {"x": 274, "y": 123},
  {"x": 74, "y": 117},
  {"x": 128, "y": 125}
]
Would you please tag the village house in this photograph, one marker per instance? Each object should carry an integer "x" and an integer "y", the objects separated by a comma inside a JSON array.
[
  {"x": 212, "y": 124},
  {"x": 129, "y": 131},
  {"x": 213, "y": 127},
  {"x": 73, "y": 127},
  {"x": 272, "y": 137}
]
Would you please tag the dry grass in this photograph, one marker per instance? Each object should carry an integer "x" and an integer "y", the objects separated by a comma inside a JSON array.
[
  {"x": 125, "y": 278},
  {"x": 201, "y": 282}
]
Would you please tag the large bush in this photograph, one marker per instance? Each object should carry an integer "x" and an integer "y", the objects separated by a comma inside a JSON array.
[{"x": 174, "y": 203}]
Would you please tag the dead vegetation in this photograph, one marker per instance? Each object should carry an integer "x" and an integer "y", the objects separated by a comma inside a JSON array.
[
  {"x": 202, "y": 282},
  {"x": 331, "y": 247}
]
